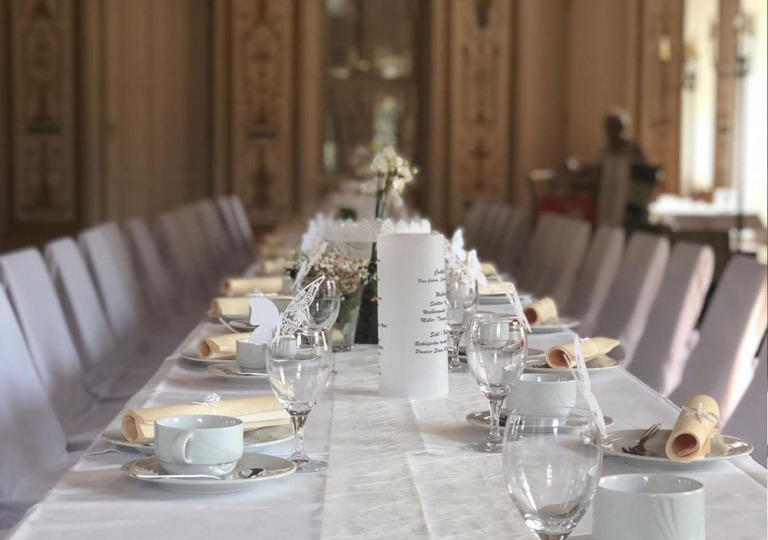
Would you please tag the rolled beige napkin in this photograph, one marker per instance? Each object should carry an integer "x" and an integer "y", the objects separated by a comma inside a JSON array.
[
  {"x": 273, "y": 252},
  {"x": 219, "y": 346},
  {"x": 690, "y": 438},
  {"x": 265, "y": 284},
  {"x": 488, "y": 268},
  {"x": 541, "y": 311},
  {"x": 562, "y": 356},
  {"x": 138, "y": 425},
  {"x": 274, "y": 266},
  {"x": 494, "y": 288},
  {"x": 231, "y": 307}
]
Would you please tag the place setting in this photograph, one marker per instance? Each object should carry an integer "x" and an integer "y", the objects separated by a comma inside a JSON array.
[{"x": 543, "y": 317}]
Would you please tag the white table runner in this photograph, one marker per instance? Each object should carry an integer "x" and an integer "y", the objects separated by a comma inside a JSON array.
[{"x": 398, "y": 470}]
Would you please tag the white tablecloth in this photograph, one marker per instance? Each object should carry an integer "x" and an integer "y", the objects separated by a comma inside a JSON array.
[{"x": 398, "y": 470}]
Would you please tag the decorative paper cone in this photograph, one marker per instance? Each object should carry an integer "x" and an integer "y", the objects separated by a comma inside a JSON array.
[
  {"x": 690, "y": 438},
  {"x": 563, "y": 356},
  {"x": 541, "y": 311}
]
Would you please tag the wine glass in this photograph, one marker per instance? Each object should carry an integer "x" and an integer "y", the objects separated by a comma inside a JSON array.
[
  {"x": 497, "y": 348},
  {"x": 460, "y": 302},
  {"x": 298, "y": 366},
  {"x": 324, "y": 309},
  {"x": 552, "y": 464}
]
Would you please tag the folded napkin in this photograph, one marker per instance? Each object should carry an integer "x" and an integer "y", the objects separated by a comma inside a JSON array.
[
  {"x": 231, "y": 307},
  {"x": 139, "y": 424},
  {"x": 488, "y": 268},
  {"x": 265, "y": 284},
  {"x": 494, "y": 288},
  {"x": 697, "y": 423},
  {"x": 219, "y": 346},
  {"x": 563, "y": 356},
  {"x": 273, "y": 266},
  {"x": 272, "y": 251},
  {"x": 541, "y": 311}
]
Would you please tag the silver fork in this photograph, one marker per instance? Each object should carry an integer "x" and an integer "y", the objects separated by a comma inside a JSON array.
[{"x": 639, "y": 448}]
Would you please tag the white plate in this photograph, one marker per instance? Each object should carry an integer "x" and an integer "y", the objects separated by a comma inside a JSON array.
[
  {"x": 500, "y": 299},
  {"x": 274, "y": 467},
  {"x": 232, "y": 371},
  {"x": 195, "y": 358},
  {"x": 253, "y": 439},
  {"x": 598, "y": 365},
  {"x": 613, "y": 443},
  {"x": 483, "y": 419},
  {"x": 559, "y": 324}
]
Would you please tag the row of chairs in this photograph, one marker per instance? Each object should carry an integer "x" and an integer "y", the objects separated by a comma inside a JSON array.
[
  {"x": 85, "y": 322},
  {"x": 648, "y": 295}
]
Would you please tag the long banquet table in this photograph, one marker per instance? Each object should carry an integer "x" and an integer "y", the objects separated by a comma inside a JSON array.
[{"x": 397, "y": 469}]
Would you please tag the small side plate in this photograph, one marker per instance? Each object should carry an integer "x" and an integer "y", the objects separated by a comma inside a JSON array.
[
  {"x": 232, "y": 371},
  {"x": 274, "y": 467},
  {"x": 732, "y": 447},
  {"x": 598, "y": 365},
  {"x": 483, "y": 419},
  {"x": 559, "y": 324}
]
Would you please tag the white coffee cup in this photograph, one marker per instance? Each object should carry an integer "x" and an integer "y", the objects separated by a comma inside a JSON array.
[
  {"x": 533, "y": 390},
  {"x": 199, "y": 444},
  {"x": 643, "y": 506},
  {"x": 250, "y": 356}
]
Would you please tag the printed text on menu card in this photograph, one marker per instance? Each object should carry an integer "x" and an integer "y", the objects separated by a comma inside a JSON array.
[{"x": 438, "y": 340}]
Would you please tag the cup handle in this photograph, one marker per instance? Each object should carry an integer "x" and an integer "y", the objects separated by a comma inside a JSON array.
[{"x": 179, "y": 447}]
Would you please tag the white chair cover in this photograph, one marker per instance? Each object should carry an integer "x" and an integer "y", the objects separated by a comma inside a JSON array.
[
  {"x": 596, "y": 277},
  {"x": 722, "y": 363},
  {"x": 660, "y": 357},
  {"x": 662, "y": 352},
  {"x": 113, "y": 272},
  {"x": 571, "y": 251},
  {"x": 532, "y": 264},
  {"x": 158, "y": 286},
  {"x": 193, "y": 235},
  {"x": 554, "y": 244},
  {"x": 50, "y": 344},
  {"x": 33, "y": 451},
  {"x": 495, "y": 221},
  {"x": 181, "y": 258},
  {"x": 749, "y": 420},
  {"x": 474, "y": 222},
  {"x": 217, "y": 237},
  {"x": 514, "y": 240},
  {"x": 230, "y": 220},
  {"x": 626, "y": 309},
  {"x": 244, "y": 223},
  {"x": 92, "y": 336}
]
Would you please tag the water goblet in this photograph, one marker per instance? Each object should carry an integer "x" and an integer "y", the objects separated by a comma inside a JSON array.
[
  {"x": 460, "y": 301},
  {"x": 298, "y": 366},
  {"x": 552, "y": 464},
  {"x": 497, "y": 348},
  {"x": 324, "y": 308}
]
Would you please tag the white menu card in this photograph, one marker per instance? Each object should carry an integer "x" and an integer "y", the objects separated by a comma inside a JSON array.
[{"x": 413, "y": 331}]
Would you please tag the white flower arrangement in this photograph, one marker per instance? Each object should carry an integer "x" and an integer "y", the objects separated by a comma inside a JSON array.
[{"x": 393, "y": 173}]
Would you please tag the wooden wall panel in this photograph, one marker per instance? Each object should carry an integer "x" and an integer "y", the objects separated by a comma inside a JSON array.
[
  {"x": 727, "y": 86},
  {"x": 43, "y": 111},
  {"x": 480, "y": 121},
  {"x": 661, "y": 70},
  {"x": 262, "y": 41}
]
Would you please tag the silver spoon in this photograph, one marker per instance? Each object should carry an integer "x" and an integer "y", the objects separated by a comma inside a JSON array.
[
  {"x": 245, "y": 474},
  {"x": 639, "y": 448}
]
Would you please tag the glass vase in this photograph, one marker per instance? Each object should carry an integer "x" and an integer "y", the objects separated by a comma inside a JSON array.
[{"x": 343, "y": 333}]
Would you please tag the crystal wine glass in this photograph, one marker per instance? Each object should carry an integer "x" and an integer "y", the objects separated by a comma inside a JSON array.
[
  {"x": 552, "y": 464},
  {"x": 298, "y": 366},
  {"x": 497, "y": 348},
  {"x": 460, "y": 301},
  {"x": 324, "y": 309}
]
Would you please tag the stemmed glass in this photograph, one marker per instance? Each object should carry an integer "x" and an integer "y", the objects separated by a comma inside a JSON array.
[
  {"x": 460, "y": 302},
  {"x": 496, "y": 348},
  {"x": 298, "y": 366},
  {"x": 324, "y": 309},
  {"x": 552, "y": 464}
]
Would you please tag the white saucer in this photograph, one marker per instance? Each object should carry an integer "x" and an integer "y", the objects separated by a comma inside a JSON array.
[
  {"x": 559, "y": 324},
  {"x": 500, "y": 299},
  {"x": 253, "y": 440},
  {"x": 613, "y": 443},
  {"x": 598, "y": 365},
  {"x": 195, "y": 358},
  {"x": 232, "y": 371},
  {"x": 483, "y": 419},
  {"x": 274, "y": 467}
]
